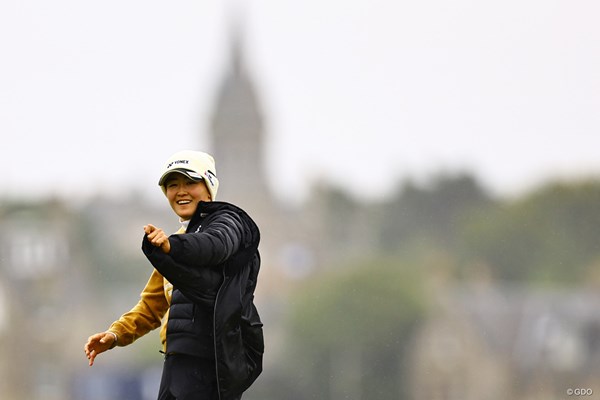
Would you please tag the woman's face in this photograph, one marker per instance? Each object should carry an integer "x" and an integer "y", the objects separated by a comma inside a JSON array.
[{"x": 184, "y": 194}]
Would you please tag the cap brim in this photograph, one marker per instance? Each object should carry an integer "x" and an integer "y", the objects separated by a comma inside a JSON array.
[{"x": 190, "y": 174}]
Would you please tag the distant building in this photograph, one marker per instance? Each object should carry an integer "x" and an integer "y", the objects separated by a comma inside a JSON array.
[
  {"x": 295, "y": 240},
  {"x": 239, "y": 147},
  {"x": 38, "y": 277},
  {"x": 238, "y": 136},
  {"x": 498, "y": 342}
]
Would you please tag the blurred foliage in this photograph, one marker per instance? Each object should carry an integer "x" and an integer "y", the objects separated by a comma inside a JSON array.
[
  {"x": 362, "y": 313},
  {"x": 347, "y": 327},
  {"x": 550, "y": 235},
  {"x": 433, "y": 212},
  {"x": 373, "y": 291}
]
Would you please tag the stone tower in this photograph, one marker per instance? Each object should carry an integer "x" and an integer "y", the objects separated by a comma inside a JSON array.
[
  {"x": 239, "y": 143},
  {"x": 238, "y": 136}
]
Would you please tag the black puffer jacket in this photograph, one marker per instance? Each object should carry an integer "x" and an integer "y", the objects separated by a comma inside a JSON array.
[{"x": 216, "y": 263}]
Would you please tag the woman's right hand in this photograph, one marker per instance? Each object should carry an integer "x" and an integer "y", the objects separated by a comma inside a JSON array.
[{"x": 99, "y": 343}]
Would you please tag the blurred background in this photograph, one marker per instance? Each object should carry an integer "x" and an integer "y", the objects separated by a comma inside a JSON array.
[{"x": 425, "y": 175}]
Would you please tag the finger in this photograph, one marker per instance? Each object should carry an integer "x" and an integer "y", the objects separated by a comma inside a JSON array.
[
  {"x": 153, "y": 234},
  {"x": 88, "y": 348},
  {"x": 152, "y": 238},
  {"x": 91, "y": 357},
  {"x": 160, "y": 236},
  {"x": 157, "y": 234},
  {"x": 157, "y": 237},
  {"x": 163, "y": 241}
]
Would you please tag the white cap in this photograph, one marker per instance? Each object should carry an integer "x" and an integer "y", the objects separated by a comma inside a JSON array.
[{"x": 196, "y": 165}]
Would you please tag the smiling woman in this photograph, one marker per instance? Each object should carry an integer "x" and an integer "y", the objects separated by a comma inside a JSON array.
[
  {"x": 184, "y": 194},
  {"x": 198, "y": 277}
]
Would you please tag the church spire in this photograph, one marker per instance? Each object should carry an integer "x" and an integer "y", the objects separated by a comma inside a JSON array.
[{"x": 237, "y": 129}]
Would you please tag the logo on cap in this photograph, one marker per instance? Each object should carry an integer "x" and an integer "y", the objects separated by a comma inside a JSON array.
[{"x": 177, "y": 162}]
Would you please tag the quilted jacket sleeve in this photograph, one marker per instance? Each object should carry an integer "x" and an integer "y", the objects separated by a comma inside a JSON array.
[{"x": 224, "y": 235}]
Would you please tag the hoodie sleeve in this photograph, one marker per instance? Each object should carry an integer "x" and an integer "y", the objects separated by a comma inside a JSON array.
[{"x": 146, "y": 315}]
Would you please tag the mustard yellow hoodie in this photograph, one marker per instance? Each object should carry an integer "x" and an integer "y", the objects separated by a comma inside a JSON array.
[{"x": 148, "y": 313}]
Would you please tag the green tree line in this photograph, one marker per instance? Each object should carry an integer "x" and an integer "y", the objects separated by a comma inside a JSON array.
[
  {"x": 349, "y": 328},
  {"x": 548, "y": 235}
]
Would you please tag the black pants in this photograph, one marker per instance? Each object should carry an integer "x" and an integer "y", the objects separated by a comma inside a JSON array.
[{"x": 188, "y": 378}]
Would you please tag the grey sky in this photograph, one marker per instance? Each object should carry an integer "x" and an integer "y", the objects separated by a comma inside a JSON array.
[{"x": 94, "y": 96}]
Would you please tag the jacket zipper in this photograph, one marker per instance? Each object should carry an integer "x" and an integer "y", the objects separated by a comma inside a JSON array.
[{"x": 215, "y": 337}]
